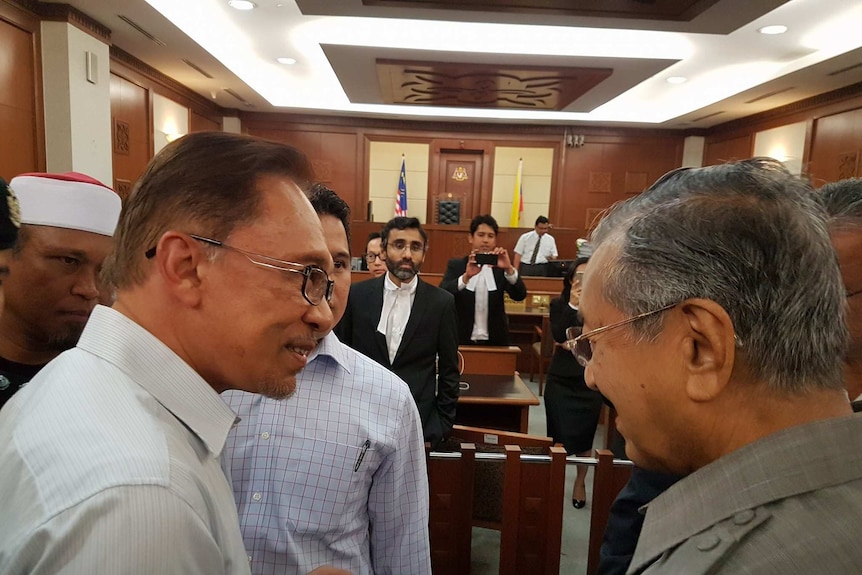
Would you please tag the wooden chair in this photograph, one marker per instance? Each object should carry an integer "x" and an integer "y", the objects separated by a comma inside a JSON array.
[
  {"x": 608, "y": 481},
  {"x": 541, "y": 350},
  {"x": 450, "y": 521},
  {"x": 533, "y": 494}
]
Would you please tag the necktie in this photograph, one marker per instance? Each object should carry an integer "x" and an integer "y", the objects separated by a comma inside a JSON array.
[
  {"x": 397, "y": 321},
  {"x": 536, "y": 250}
]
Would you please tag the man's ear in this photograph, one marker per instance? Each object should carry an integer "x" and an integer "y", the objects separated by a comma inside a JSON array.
[
  {"x": 179, "y": 260},
  {"x": 709, "y": 348}
]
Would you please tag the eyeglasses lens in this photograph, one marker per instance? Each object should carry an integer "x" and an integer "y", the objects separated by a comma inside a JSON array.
[
  {"x": 580, "y": 346},
  {"x": 316, "y": 285}
]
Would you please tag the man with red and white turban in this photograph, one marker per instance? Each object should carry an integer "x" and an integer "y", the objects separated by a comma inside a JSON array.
[{"x": 68, "y": 221}]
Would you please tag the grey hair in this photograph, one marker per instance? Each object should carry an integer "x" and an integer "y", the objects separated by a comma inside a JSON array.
[
  {"x": 842, "y": 201},
  {"x": 749, "y": 236}
]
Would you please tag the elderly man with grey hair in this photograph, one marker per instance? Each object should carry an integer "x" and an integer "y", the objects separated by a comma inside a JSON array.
[
  {"x": 843, "y": 204},
  {"x": 714, "y": 321}
]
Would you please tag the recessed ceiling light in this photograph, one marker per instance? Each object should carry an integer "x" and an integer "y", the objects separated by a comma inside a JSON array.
[
  {"x": 241, "y": 4},
  {"x": 677, "y": 80},
  {"x": 287, "y": 61},
  {"x": 772, "y": 30}
]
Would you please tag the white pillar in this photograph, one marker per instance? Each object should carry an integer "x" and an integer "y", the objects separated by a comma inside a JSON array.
[
  {"x": 77, "y": 94},
  {"x": 692, "y": 152}
]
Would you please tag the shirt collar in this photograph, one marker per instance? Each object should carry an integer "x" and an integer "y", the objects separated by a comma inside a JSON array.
[
  {"x": 408, "y": 287},
  {"x": 331, "y": 346},
  {"x": 125, "y": 344}
]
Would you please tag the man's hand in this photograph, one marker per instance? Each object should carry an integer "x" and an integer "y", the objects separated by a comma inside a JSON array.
[
  {"x": 327, "y": 570},
  {"x": 472, "y": 267},
  {"x": 503, "y": 260}
]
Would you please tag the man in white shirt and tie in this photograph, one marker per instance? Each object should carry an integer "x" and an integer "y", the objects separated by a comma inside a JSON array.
[
  {"x": 408, "y": 326},
  {"x": 535, "y": 249},
  {"x": 478, "y": 288}
]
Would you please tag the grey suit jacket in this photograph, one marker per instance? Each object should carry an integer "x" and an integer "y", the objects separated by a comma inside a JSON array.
[{"x": 787, "y": 504}]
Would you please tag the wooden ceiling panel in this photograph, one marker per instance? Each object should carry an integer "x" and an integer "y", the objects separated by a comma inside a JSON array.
[{"x": 484, "y": 85}]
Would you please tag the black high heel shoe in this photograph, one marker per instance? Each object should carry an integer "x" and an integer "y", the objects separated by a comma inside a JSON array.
[{"x": 578, "y": 503}]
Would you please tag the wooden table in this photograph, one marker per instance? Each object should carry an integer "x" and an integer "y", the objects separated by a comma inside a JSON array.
[{"x": 495, "y": 401}]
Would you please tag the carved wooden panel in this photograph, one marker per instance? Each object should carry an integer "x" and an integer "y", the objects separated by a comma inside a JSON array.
[
  {"x": 123, "y": 188},
  {"x": 600, "y": 182},
  {"x": 847, "y": 165},
  {"x": 122, "y": 137},
  {"x": 484, "y": 85},
  {"x": 460, "y": 179},
  {"x": 636, "y": 182}
]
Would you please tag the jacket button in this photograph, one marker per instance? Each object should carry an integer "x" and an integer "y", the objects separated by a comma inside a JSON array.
[
  {"x": 708, "y": 542},
  {"x": 744, "y": 517}
]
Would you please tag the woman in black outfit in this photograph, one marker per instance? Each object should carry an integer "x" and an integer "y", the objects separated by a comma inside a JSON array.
[{"x": 572, "y": 409}]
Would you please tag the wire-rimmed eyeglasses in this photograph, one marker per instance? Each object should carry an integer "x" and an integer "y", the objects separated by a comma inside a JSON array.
[
  {"x": 400, "y": 246},
  {"x": 580, "y": 344},
  {"x": 316, "y": 285}
]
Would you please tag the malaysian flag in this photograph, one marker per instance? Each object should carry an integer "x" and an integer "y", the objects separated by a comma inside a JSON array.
[{"x": 401, "y": 199}]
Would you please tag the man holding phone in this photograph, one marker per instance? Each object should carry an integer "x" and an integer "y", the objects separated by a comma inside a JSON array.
[{"x": 478, "y": 283}]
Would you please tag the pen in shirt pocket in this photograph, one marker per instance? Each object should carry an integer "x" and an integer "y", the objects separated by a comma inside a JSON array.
[{"x": 362, "y": 452}]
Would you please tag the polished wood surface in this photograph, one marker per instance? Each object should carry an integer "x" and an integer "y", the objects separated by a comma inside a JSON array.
[
  {"x": 496, "y": 402},
  {"x": 132, "y": 145},
  {"x": 489, "y": 360},
  {"x": 22, "y": 146},
  {"x": 496, "y": 390},
  {"x": 450, "y": 521}
]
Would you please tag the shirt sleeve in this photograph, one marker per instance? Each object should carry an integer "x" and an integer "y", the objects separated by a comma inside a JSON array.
[
  {"x": 398, "y": 502},
  {"x": 519, "y": 245},
  {"x": 126, "y": 530},
  {"x": 553, "y": 246}
]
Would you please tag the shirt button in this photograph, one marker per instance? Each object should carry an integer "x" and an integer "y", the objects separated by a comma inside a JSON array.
[
  {"x": 708, "y": 542},
  {"x": 744, "y": 517},
  {"x": 264, "y": 435},
  {"x": 256, "y": 496}
]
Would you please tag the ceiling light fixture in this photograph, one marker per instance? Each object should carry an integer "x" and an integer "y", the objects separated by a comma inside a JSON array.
[
  {"x": 677, "y": 80},
  {"x": 772, "y": 30},
  {"x": 241, "y": 4},
  {"x": 286, "y": 61}
]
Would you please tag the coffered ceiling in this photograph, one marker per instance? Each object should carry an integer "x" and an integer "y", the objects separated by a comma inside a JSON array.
[{"x": 610, "y": 62}]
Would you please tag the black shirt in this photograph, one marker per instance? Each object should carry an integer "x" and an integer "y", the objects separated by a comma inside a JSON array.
[{"x": 13, "y": 376}]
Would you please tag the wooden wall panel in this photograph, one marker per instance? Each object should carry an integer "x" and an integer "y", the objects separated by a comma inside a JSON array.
[
  {"x": 131, "y": 132},
  {"x": 836, "y": 147},
  {"x": 605, "y": 171},
  {"x": 22, "y": 147},
  {"x": 199, "y": 123},
  {"x": 445, "y": 242},
  {"x": 333, "y": 154},
  {"x": 718, "y": 150}
]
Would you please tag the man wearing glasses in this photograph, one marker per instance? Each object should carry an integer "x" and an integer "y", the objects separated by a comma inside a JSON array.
[
  {"x": 843, "y": 204},
  {"x": 335, "y": 474},
  {"x": 375, "y": 259},
  {"x": 109, "y": 458},
  {"x": 409, "y": 326},
  {"x": 714, "y": 322}
]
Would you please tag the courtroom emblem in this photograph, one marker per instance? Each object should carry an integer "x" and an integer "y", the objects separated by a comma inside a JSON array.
[{"x": 460, "y": 174}]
